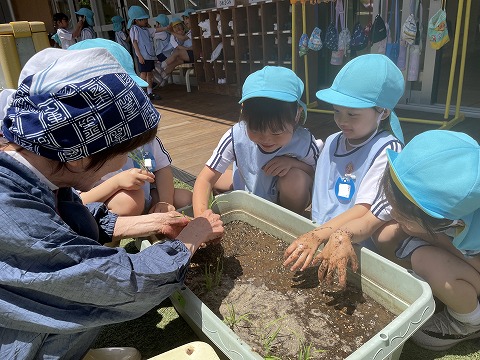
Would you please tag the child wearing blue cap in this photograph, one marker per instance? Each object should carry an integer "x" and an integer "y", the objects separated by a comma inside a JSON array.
[
  {"x": 85, "y": 18},
  {"x": 142, "y": 36},
  {"x": 363, "y": 95},
  {"x": 121, "y": 35},
  {"x": 181, "y": 41},
  {"x": 433, "y": 187},
  {"x": 272, "y": 155}
]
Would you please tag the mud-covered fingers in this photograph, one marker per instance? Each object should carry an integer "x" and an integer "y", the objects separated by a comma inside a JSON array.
[{"x": 342, "y": 272}]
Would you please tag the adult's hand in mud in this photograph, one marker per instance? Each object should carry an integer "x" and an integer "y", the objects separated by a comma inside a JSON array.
[
  {"x": 335, "y": 256},
  {"x": 202, "y": 230},
  {"x": 301, "y": 252}
]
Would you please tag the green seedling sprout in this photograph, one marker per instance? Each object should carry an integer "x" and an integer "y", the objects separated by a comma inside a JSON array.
[
  {"x": 268, "y": 336},
  {"x": 232, "y": 319},
  {"x": 213, "y": 280},
  {"x": 138, "y": 157}
]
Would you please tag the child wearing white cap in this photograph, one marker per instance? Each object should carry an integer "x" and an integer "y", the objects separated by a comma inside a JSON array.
[
  {"x": 433, "y": 187},
  {"x": 363, "y": 95},
  {"x": 272, "y": 155}
]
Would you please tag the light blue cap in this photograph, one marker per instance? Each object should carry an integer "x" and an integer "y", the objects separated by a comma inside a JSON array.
[
  {"x": 367, "y": 81},
  {"x": 136, "y": 13},
  {"x": 117, "y": 22},
  {"x": 274, "y": 82},
  {"x": 440, "y": 170},
  {"x": 88, "y": 15},
  {"x": 187, "y": 12},
  {"x": 162, "y": 19},
  {"x": 118, "y": 52}
]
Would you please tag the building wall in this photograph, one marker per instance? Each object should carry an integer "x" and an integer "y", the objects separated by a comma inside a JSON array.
[{"x": 38, "y": 10}]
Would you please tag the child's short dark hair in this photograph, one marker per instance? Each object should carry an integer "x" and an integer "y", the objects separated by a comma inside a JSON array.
[
  {"x": 59, "y": 17},
  {"x": 262, "y": 114},
  {"x": 405, "y": 208}
]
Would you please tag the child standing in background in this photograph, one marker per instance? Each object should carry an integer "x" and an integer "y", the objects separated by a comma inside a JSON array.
[
  {"x": 163, "y": 46},
  {"x": 273, "y": 156},
  {"x": 121, "y": 35},
  {"x": 363, "y": 95},
  {"x": 181, "y": 40},
  {"x": 142, "y": 40},
  {"x": 64, "y": 36},
  {"x": 85, "y": 18}
]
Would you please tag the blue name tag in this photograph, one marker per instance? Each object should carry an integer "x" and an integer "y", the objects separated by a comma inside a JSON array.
[{"x": 344, "y": 189}]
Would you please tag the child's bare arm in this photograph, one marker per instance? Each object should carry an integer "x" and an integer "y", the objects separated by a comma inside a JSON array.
[
  {"x": 202, "y": 189},
  {"x": 132, "y": 179},
  {"x": 141, "y": 60}
]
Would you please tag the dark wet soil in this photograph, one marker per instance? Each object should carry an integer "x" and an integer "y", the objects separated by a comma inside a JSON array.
[{"x": 277, "y": 312}]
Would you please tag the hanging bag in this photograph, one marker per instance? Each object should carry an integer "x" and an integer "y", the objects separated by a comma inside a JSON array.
[
  {"x": 337, "y": 55},
  {"x": 409, "y": 27},
  {"x": 344, "y": 37},
  {"x": 415, "y": 50},
  {"x": 315, "y": 41},
  {"x": 378, "y": 31},
  {"x": 331, "y": 35},
  {"x": 303, "y": 45},
  {"x": 437, "y": 28},
  {"x": 393, "y": 48},
  {"x": 359, "y": 39}
]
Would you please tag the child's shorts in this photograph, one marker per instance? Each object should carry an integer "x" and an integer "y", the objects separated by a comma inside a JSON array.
[
  {"x": 147, "y": 67},
  {"x": 190, "y": 56},
  {"x": 161, "y": 57}
]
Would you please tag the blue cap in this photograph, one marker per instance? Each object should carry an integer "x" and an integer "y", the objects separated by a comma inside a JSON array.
[
  {"x": 162, "y": 19},
  {"x": 136, "y": 13},
  {"x": 88, "y": 15},
  {"x": 176, "y": 20},
  {"x": 274, "y": 82},
  {"x": 117, "y": 22},
  {"x": 439, "y": 171},
  {"x": 187, "y": 12},
  {"x": 118, "y": 52},
  {"x": 367, "y": 81}
]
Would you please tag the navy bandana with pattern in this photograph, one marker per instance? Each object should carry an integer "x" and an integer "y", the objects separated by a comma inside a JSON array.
[{"x": 79, "y": 119}]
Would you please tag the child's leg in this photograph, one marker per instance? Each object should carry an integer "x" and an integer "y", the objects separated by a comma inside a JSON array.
[
  {"x": 182, "y": 198},
  {"x": 143, "y": 76},
  {"x": 294, "y": 190},
  {"x": 224, "y": 183},
  {"x": 127, "y": 202},
  {"x": 456, "y": 282},
  {"x": 149, "y": 80}
]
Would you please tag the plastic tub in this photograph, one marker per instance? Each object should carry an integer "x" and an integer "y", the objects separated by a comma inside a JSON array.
[{"x": 398, "y": 290}]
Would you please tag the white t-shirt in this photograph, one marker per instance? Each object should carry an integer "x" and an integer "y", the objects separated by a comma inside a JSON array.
[{"x": 66, "y": 38}]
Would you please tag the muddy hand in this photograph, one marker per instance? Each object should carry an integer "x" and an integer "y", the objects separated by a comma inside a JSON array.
[
  {"x": 335, "y": 256},
  {"x": 302, "y": 251}
]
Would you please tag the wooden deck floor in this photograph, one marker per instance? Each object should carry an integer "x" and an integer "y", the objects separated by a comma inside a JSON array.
[{"x": 192, "y": 124}]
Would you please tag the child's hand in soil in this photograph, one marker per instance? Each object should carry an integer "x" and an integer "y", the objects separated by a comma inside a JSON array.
[
  {"x": 335, "y": 256},
  {"x": 302, "y": 251}
]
